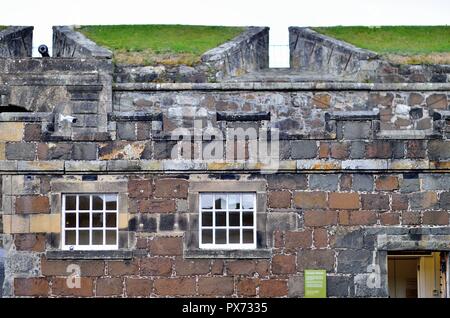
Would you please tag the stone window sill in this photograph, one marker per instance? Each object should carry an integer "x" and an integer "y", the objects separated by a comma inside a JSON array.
[
  {"x": 106, "y": 255},
  {"x": 235, "y": 254}
]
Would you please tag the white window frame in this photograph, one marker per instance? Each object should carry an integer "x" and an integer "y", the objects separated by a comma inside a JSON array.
[
  {"x": 227, "y": 227},
  {"x": 104, "y": 228}
]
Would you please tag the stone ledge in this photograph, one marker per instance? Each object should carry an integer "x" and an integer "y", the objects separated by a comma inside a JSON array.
[
  {"x": 103, "y": 255},
  {"x": 304, "y": 86},
  {"x": 33, "y": 117},
  {"x": 186, "y": 166},
  {"x": 68, "y": 41},
  {"x": 242, "y": 116},
  {"x": 348, "y": 48},
  {"x": 353, "y": 115},
  {"x": 234, "y": 254},
  {"x": 135, "y": 116}
]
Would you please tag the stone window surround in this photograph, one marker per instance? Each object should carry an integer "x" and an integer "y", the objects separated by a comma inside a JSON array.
[
  {"x": 126, "y": 238},
  {"x": 191, "y": 243}
]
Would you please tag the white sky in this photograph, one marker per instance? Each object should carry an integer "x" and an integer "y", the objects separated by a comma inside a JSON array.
[{"x": 277, "y": 14}]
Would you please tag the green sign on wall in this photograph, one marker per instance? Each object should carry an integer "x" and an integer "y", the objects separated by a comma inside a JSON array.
[{"x": 315, "y": 283}]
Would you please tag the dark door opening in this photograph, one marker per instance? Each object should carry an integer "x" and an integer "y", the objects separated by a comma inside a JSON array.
[{"x": 418, "y": 274}]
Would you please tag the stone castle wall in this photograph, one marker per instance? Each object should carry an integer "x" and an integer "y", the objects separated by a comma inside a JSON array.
[{"x": 363, "y": 170}]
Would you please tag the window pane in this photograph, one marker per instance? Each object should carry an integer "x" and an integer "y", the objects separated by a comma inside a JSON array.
[
  {"x": 97, "y": 237},
  {"x": 207, "y": 201},
  {"x": 207, "y": 219},
  {"x": 221, "y": 236},
  {"x": 97, "y": 203},
  {"x": 83, "y": 203},
  {"x": 234, "y": 236},
  {"x": 247, "y": 218},
  {"x": 111, "y": 220},
  {"x": 83, "y": 237},
  {"x": 71, "y": 202},
  {"x": 221, "y": 218},
  {"x": 247, "y": 236},
  {"x": 83, "y": 219},
  {"x": 71, "y": 219},
  {"x": 207, "y": 236},
  {"x": 111, "y": 237},
  {"x": 247, "y": 201},
  {"x": 97, "y": 219},
  {"x": 235, "y": 218},
  {"x": 111, "y": 202},
  {"x": 70, "y": 238},
  {"x": 234, "y": 202},
  {"x": 219, "y": 202}
]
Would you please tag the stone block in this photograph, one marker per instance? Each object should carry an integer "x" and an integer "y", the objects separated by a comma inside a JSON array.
[
  {"x": 342, "y": 200},
  {"x": 156, "y": 266},
  {"x": 279, "y": 199},
  {"x": 32, "y": 204},
  {"x": 324, "y": 182},
  {"x": 298, "y": 239},
  {"x": 316, "y": 259},
  {"x": 138, "y": 287},
  {"x": 20, "y": 151},
  {"x": 84, "y": 151},
  {"x": 296, "y": 286},
  {"x": 45, "y": 223},
  {"x": 109, "y": 287},
  {"x": 310, "y": 200},
  {"x": 357, "y": 130},
  {"x": 283, "y": 264},
  {"x": 303, "y": 149},
  {"x": 386, "y": 183},
  {"x": 216, "y": 286},
  {"x": 126, "y": 131},
  {"x": 375, "y": 201},
  {"x": 166, "y": 246},
  {"x": 362, "y": 182},
  {"x": 175, "y": 286},
  {"x": 273, "y": 288},
  {"x": 353, "y": 261},
  {"x": 320, "y": 218},
  {"x": 31, "y": 287},
  {"x": 11, "y": 131}
]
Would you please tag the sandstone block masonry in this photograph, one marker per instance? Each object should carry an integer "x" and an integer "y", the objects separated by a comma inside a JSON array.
[{"x": 363, "y": 170}]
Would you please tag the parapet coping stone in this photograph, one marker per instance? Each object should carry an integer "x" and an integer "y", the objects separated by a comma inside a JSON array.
[
  {"x": 304, "y": 86},
  {"x": 11, "y": 30},
  {"x": 310, "y": 34},
  {"x": 218, "y": 53},
  {"x": 87, "y": 44},
  {"x": 186, "y": 166}
]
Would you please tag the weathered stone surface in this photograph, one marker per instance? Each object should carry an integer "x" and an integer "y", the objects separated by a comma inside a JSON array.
[
  {"x": 362, "y": 182},
  {"x": 353, "y": 261},
  {"x": 84, "y": 151},
  {"x": 279, "y": 199},
  {"x": 20, "y": 151},
  {"x": 323, "y": 182},
  {"x": 437, "y": 101},
  {"x": 316, "y": 259},
  {"x": 303, "y": 149},
  {"x": 346, "y": 201},
  {"x": 310, "y": 200}
]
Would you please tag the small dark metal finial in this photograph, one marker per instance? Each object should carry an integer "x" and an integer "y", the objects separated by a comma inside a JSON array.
[{"x": 43, "y": 50}]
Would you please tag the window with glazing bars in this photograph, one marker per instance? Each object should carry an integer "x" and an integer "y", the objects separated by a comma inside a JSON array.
[
  {"x": 90, "y": 221},
  {"x": 227, "y": 220}
]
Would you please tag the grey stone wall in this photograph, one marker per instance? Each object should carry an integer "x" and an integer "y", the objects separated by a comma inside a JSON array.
[
  {"x": 16, "y": 41},
  {"x": 63, "y": 85},
  {"x": 248, "y": 52},
  {"x": 69, "y": 43},
  {"x": 311, "y": 51}
]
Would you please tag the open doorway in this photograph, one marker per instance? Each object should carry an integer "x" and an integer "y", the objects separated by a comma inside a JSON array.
[{"x": 418, "y": 274}]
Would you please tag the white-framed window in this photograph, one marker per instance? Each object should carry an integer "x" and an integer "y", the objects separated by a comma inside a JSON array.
[
  {"x": 90, "y": 221},
  {"x": 227, "y": 220}
]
